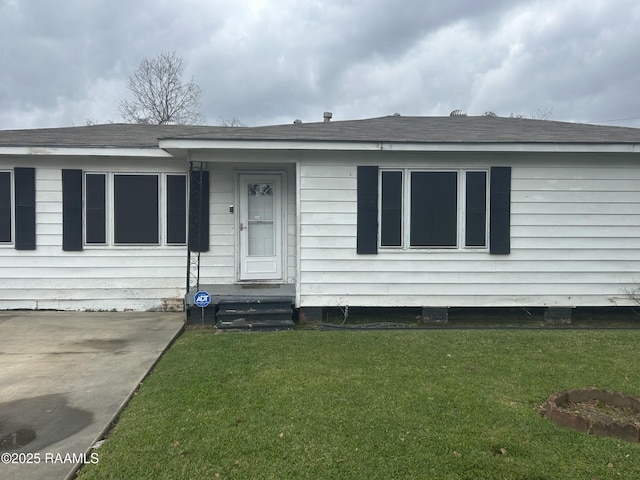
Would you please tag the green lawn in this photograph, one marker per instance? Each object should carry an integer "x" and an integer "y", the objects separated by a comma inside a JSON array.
[{"x": 441, "y": 404}]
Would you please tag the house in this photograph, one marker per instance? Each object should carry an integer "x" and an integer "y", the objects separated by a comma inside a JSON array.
[{"x": 430, "y": 212}]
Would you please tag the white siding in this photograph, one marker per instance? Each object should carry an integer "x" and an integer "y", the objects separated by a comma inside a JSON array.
[
  {"x": 575, "y": 237},
  {"x": 99, "y": 277},
  {"x": 219, "y": 264},
  {"x": 123, "y": 277}
]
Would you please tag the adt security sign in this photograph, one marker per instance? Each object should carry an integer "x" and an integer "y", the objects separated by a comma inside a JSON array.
[{"x": 202, "y": 299}]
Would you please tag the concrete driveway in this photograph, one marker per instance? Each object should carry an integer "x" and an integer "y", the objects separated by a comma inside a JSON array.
[{"x": 64, "y": 377}]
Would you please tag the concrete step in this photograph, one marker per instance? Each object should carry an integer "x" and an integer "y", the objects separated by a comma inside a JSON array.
[
  {"x": 254, "y": 325},
  {"x": 251, "y": 314}
]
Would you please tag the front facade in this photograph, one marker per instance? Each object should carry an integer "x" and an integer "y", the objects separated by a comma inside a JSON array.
[{"x": 395, "y": 211}]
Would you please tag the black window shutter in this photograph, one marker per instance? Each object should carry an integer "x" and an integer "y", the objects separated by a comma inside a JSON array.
[
  {"x": 5, "y": 207},
  {"x": 25, "y": 200},
  {"x": 500, "y": 211},
  {"x": 199, "y": 211},
  {"x": 71, "y": 210},
  {"x": 367, "y": 229}
]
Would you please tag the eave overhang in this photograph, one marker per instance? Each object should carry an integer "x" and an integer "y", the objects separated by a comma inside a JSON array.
[
  {"x": 181, "y": 145},
  {"x": 85, "y": 152}
]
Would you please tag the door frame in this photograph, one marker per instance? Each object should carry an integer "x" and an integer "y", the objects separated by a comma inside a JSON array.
[{"x": 281, "y": 223}]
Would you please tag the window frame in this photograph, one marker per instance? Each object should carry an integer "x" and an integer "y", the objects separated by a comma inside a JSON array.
[
  {"x": 12, "y": 211},
  {"x": 461, "y": 209},
  {"x": 110, "y": 210}
]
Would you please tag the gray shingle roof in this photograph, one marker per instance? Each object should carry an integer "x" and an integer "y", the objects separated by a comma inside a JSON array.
[
  {"x": 116, "y": 135},
  {"x": 483, "y": 129}
]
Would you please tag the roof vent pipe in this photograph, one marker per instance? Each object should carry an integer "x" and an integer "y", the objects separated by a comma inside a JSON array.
[{"x": 327, "y": 116}]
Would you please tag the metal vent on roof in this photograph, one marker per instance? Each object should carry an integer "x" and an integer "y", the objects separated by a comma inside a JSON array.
[
  {"x": 297, "y": 121},
  {"x": 458, "y": 113}
]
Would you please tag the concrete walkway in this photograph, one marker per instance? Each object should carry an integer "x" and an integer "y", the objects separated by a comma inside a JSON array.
[{"x": 64, "y": 377}]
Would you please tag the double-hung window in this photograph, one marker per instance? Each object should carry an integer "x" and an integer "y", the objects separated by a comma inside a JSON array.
[
  {"x": 118, "y": 208},
  {"x": 433, "y": 209},
  {"x": 143, "y": 209}
]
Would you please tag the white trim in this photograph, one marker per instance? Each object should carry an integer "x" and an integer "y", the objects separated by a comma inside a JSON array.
[
  {"x": 178, "y": 144},
  {"x": 399, "y": 147},
  {"x": 87, "y": 151},
  {"x": 298, "y": 233}
]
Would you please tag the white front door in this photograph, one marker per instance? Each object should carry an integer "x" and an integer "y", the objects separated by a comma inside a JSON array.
[{"x": 260, "y": 226}]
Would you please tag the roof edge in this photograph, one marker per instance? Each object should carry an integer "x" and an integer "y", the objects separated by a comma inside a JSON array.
[
  {"x": 328, "y": 145},
  {"x": 87, "y": 151}
]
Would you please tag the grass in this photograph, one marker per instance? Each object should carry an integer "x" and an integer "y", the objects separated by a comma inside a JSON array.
[{"x": 445, "y": 404}]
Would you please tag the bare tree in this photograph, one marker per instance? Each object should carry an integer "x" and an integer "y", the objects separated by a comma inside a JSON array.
[
  {"x": 159, "y": 96},
  {"x": 233, "y": 122},
  {"x": 538, "y": 115}
]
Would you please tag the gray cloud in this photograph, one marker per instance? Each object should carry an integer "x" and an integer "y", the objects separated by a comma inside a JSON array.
[{"x": 273, "y": 61}]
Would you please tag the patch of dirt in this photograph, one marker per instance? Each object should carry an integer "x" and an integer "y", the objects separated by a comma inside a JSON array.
[{"x": 597, "y": 411}]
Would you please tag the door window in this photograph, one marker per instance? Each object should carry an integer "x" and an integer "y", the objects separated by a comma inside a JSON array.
[{"x": 261, "y": 220}]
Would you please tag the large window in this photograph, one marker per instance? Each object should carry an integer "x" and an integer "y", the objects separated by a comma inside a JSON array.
[
  {"x": 433, "y": 209},
  {"x": 135, "y": 209}
]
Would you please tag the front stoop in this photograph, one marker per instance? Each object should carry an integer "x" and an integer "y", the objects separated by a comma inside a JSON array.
[
  {"x": 254, "y": 314},
  {"x": 245, "y": 307}
]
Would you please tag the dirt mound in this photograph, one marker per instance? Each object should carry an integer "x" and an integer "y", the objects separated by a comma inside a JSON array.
[{"x": 596, "y": 411}]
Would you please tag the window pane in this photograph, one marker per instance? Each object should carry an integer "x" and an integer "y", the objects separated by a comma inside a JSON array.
[
  {"x": 476, "y": 210},
  {"x": 261, "y": 234},
  {"x": 391, "y": 215},
  {"x": 135, "y": 204},
  {"x": 95, "y": 216},
  {"x": 24, "y": 182},
  {"x": 176, "y": 209},
  {"x": 5, "y": 207},
  {"x": 434, "y": 206}
]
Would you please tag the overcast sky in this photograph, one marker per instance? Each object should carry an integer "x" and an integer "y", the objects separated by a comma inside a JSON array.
[{"x": 63, "y": 62}]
